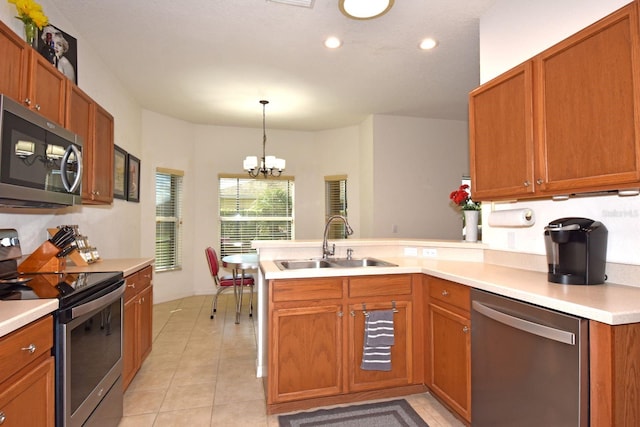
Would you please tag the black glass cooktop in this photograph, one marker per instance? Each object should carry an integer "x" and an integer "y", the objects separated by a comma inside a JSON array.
[{"x": 68, "y": 288}]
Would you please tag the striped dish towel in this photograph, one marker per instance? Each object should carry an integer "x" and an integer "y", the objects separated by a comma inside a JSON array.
[{"x": 378, "y": 339}]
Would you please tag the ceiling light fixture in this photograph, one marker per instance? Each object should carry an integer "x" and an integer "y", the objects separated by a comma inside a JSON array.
[
  {"x": 428, "y": 44},
  {"x": 269, "y": 165},
  {"x": 332, "y": 42},
  {"x": 365, "y": 9}
]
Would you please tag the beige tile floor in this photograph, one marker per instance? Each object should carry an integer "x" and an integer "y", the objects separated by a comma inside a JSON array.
[{"x": 201, "y": 372}]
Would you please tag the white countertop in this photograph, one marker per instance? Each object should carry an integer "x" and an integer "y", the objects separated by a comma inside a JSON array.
[
  {"x": 608, "y": 303},
  {"x": 126, "y": 265},
  {"x": 16, "y": 314}
]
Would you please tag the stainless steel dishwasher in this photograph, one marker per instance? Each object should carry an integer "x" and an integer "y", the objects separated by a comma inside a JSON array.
[{"x": 529, "y": 365}]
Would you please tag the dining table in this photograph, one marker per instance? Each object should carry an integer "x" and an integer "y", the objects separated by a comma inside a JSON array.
[{"x": 239, "y": 265}]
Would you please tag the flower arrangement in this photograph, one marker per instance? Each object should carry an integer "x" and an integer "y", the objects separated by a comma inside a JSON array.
[
  {"x": 30, "y": 12},
  {"x": 462, "y": 198}
]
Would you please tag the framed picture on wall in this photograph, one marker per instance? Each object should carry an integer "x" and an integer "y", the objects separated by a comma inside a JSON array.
[
  {"x": 120, "y": 174},
  {"x": 133, "y": 179},
  {"x": 60, "y": 49}
]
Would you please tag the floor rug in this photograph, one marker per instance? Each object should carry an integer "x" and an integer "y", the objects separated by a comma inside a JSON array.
[{"x": 382, "y": 414}]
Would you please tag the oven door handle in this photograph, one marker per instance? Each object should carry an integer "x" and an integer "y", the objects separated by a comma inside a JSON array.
[{"x": 103, "y": 301}]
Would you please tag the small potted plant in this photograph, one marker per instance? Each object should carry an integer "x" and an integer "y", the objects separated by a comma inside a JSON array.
[{"x": 470, "y": 211}]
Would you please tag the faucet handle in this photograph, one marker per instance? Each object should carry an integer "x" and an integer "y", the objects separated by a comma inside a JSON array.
[{"x": 349, "y": 253}]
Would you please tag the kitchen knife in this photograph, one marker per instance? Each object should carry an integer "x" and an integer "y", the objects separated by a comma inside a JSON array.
[{"x": 66, "y": 251}]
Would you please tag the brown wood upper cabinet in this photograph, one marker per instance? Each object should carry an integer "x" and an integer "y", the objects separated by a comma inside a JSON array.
[
  {"x": 95, "y": 126},
  {"x": 27, "y": 77},
  {"x": 566, "y": 121}
]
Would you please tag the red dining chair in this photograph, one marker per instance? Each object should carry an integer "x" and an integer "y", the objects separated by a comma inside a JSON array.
[{"x": 225, "y": 282}]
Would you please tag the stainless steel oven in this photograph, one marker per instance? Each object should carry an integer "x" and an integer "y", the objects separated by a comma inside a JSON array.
[{"x": 89, "y": 360}]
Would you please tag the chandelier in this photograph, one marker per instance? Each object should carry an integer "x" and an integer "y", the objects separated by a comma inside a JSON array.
[{"x": 269, "y": 165}]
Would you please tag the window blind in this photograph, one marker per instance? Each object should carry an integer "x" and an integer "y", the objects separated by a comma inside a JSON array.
[
  {"x": 168, "y": 220},
  {"x": 254, "y": 209},
  {"x": 336, "y": 204}
]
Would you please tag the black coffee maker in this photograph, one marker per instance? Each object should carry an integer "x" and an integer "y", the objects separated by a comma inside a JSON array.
[{"x": 576, "y": 251}]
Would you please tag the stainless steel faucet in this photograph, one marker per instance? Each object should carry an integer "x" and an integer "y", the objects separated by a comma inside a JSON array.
[{"x": 326, "y": 252}]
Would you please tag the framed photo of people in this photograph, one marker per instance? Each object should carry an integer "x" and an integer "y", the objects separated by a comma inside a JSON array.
[
  {"x": 133, "y": 180},
  {"x": 60, "y": 49},
  {"x": 120, "y": 173}
]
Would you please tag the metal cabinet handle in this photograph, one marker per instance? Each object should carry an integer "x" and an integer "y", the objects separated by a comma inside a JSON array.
[
  {"x": 465, "y": 329},
  {"x": 526, "y": 183},
  {"x": 27, "y": 101},
  {"x": 353, "y": 313},
  {"x": 3, "y": 417},
  {"x": 539, "y": 181},
  {"x": 132, "y": 286},
  {"x": 445, "y": 293},
  {"x": 37, "y": 107},
  {"x": 340, "y": 314},
  {"x": 31, "y": 349}
]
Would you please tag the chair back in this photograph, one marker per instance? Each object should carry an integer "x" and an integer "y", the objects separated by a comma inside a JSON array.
[{"x": 212, "y": 260}]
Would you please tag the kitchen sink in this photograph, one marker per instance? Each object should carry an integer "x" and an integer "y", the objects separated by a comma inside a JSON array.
[
  {"x": 298, "y": 264},
  {"x": 360, "y": 262},
  {"x": 332, "y": 263}
]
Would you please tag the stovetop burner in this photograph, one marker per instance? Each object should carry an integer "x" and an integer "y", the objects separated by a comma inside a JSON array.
[{"x": 66, "y": 287}]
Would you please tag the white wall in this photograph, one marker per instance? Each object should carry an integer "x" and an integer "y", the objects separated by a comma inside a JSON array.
[
  {"x": 417, "y": 163},
  {"x": 511, "y": 32}
]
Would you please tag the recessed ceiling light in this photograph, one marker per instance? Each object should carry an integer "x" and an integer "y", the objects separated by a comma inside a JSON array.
[
  {"x": 332, "y": 42},
  {"x": 365, "y": 9},
  {"x": 428, "y": 44}
]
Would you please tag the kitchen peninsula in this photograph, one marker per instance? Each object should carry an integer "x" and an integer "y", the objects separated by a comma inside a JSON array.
[{"x": 613, "y": 312}]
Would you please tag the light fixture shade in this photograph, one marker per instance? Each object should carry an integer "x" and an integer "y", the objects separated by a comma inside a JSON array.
[
  {"x": 365, "y": 9},
  {"x": 251, "y": 162}
]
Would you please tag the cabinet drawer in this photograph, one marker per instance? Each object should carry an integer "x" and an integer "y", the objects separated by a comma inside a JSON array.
[
  {"x": 146, "y": 276},
  {"x": 306, "y": 289},
  {"x": 371, "y": 286},
  {"x": 451, "y": 293},
  {"x": 14, "y": 348},
  {"x": 133, "y": 286}
]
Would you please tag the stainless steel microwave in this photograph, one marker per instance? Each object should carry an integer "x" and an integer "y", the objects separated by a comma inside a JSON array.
[{"x": 40, "y": 161}]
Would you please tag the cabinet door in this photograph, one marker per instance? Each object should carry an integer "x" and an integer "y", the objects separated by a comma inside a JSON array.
[
  {"x": 145, "y": 321},
  {"x": 101, "y": 173},
  {"x": 29, "y": 401},
  {"x": 501, "y": 136},
  {"x": 587, "y": 107},
  {"x": 305, "y": 353},
  {"x": 14, "y": 64},
  {"x": 401, "y": 352},
  {"x": 129, "y": 339},
  {"x": 450, "y": 354},
  {"x": 46, "y": 88}
]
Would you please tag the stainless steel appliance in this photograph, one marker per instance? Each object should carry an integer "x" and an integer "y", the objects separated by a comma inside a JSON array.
[
  {"x": 529, "y": 365},
  {"x": 576, "y": 251},
  {"x": 87, "y": 335},
  {"x": 40, "y": 161}
]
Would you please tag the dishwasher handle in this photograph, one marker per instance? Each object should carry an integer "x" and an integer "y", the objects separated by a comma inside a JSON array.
[{"x": 525, "y": 325}]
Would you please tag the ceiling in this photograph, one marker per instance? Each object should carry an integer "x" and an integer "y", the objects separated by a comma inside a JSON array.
[{"x": 211, "y": 61}]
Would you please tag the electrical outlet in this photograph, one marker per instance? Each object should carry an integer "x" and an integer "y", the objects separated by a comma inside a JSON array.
[{"x": 429, "y": 252}]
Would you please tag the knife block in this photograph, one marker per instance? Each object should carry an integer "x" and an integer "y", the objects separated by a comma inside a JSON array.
[{"x": 43, "y": 260}]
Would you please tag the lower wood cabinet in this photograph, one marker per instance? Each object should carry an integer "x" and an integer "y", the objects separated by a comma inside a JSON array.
[
  {"x": 27, "y": 377},
  {"x": 138, "y": 312},
  {"x": 316, "y": 335},
  {"x": 449, "y": 344}
]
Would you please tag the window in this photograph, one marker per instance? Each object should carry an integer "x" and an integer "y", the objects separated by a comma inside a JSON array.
[
  {"x": 254, "y": 209},
  {"x": 336, "y": 204},
  {"x": 168, "y": 219}
]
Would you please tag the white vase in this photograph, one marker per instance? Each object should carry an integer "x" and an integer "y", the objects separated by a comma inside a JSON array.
[{"x": 471, "y": 225}]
